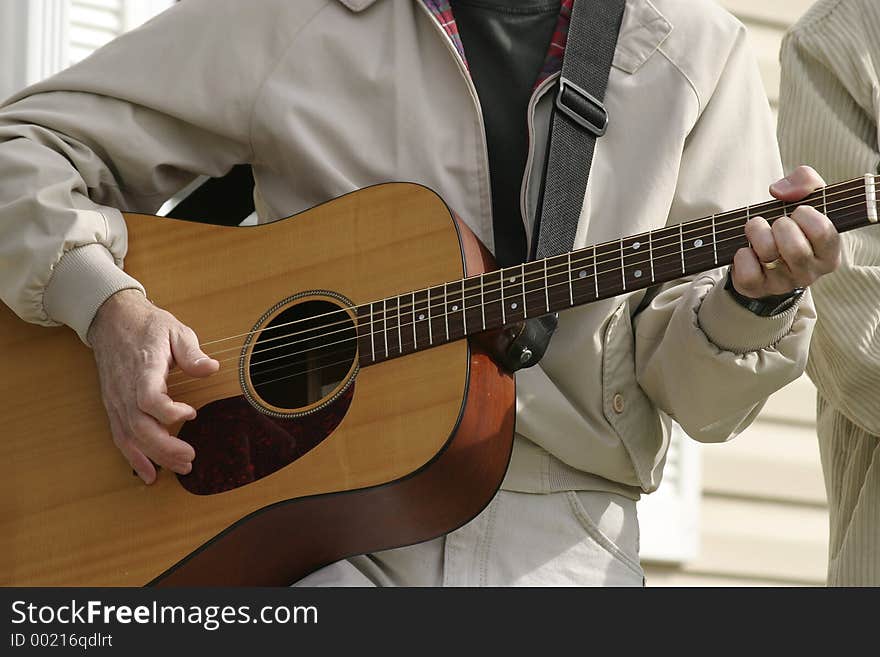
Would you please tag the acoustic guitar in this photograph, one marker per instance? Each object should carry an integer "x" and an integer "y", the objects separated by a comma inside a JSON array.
[{"x": 355, "y": 409}]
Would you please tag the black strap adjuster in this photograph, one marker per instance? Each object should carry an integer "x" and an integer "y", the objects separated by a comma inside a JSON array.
[{"x": 582, "y": 107}]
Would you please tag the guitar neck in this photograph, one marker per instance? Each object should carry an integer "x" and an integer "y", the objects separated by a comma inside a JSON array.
[{"x": 427, "y": 318}]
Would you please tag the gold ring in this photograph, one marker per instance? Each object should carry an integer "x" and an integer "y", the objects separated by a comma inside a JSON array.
[{"x": 772, "y": 265}]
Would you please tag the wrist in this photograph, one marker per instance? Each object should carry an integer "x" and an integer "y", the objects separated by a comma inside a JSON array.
[
  {"x": 82, "y": 280},
  {"x": 768, "y": 306},
  {"x": 113, "y": 310}
]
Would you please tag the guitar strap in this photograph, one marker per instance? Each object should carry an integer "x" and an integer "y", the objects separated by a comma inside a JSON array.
[{"x": 579, "y": 118}]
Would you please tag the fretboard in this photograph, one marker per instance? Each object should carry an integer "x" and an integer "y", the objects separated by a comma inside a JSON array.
[{"x": 422, "y": 319}]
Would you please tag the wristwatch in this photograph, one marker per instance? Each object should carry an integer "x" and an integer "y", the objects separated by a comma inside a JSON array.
[{"x": 775, "y": 304}]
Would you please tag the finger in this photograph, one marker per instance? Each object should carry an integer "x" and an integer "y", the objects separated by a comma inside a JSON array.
[
  {"x": 188, "y": 355},
  {"x": 152, "y": 398},
  {"x": 822, "y": 235},
  {"x": 760, "y": 236},
  {"x": 795, "y": 250},
  {"x": 799, "y": 183},
  {"x": 747, "y": 273},
  {"x": 155, "y": 441},
  {"x": 135, "y": 457}
]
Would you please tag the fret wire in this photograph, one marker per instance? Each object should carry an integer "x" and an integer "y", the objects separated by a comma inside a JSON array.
[
  {"x": 525, "y": 305},
  {"x": 681, "y": 243},
  {"x": 651, "y": 253},
  {"x": 463, "y": 308},
  {"x": 399, "y": 322},
  {"x": 372, "y": 333},
  {"x": 385, "y": 325},
  {"x": 596, "y": 269},
  {"x": 483, "y": 298},
  {"x": 430, "y": 328},
  {"x": 415, "y": 338},
  {"x": 824, "y": 202},
  {"x": 622, "y": 267},
  {"x": 714, "y": 241},
  {"x": 445, "y": 309},
  {"x": 503, "y": 312},
  {"x": 546, "y": 287}
]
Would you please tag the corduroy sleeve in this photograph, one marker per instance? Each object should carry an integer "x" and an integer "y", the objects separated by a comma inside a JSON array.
[{"x": 829, "y": 113}]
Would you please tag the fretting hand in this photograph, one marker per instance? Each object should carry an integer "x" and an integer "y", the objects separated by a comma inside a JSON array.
[{"x": 793, "y": 252}]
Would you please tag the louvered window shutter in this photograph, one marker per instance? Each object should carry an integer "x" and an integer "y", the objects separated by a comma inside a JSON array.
[
  {"x": 95, "y": 22},
  {"x": 92, "y": 24},
  {"x": 669, "y": 517},
  {"x": 41, "y": 37}
]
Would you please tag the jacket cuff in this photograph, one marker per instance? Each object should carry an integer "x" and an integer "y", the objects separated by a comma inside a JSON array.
[
  {"x": 81, "y": 282},
  {"x": 730, "y": 327}
]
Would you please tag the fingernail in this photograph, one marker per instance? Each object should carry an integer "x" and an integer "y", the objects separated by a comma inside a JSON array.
[{"x": 783, "y": 185}]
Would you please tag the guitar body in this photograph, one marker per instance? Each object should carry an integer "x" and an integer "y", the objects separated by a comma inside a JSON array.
[{"x": 392, "y": 454}]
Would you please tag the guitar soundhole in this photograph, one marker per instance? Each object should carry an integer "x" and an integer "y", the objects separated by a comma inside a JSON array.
[{"x": 303, "y": 357}]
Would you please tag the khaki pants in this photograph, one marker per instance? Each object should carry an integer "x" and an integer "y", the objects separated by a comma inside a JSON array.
[{"x": 581, "y": 538}]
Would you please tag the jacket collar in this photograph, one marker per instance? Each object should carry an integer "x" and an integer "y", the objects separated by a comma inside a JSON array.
[
  {"x": 357, "y": 5},
  {"x": 643, "y": 30}
]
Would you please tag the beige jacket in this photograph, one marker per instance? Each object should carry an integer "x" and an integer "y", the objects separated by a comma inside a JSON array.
[
  {"x": 326, "y": 96},
  {"x": 829, "y": 115}
]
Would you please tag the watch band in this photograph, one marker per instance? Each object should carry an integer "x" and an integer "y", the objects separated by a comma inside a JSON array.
[{"x": 768, "y": 306}]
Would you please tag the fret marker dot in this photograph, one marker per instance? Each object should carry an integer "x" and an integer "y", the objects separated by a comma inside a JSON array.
[
  {"x": 637, "y": 273},
  {"x": 513, "y": 306},
  {"x": 636, "y": 246},
  {"x": 421, "y": 317},
  {"x": 454, "y": 308},
  {"x": 698, "y": 243},
  {"x": 513, "y": 279},
  {"x": 583, "y": 274}
]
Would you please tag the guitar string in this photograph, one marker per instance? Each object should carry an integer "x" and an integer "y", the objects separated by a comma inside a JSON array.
[
  {"x": 326, "y": 366},
  {"x": 855, "y": 183},
  {"x": 399, "y": 311},
  {"x": 404, "y": 345},
  {"x": 388, "y": 314},
  {"x": 611, "y": 243},
  {"x": 586, "y": 261},
  {"x": 349, "y": 359}
]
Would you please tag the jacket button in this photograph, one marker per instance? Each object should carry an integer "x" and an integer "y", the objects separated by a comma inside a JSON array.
[{"x": 617, "y": 403}]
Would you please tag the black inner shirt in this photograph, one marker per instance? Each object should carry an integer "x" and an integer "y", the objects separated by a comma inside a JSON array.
[{"x": 506, "y": 42}]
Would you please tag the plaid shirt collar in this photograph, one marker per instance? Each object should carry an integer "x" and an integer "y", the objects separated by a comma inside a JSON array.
[{"x": 442, "y": 13}]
